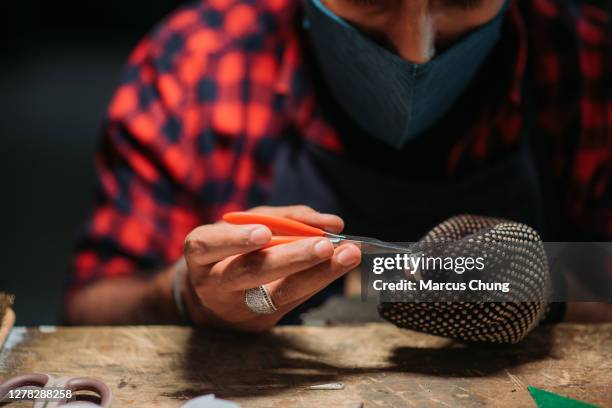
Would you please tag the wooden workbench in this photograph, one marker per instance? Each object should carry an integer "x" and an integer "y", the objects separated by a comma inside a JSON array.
[{"x": 380, "y": 365}]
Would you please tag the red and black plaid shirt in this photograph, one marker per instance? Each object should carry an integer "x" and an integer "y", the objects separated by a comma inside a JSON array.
[{"x": 206, "y": 96}]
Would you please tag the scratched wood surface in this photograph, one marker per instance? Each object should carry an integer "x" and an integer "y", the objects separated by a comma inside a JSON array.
[{"x": 381, "y": 365}]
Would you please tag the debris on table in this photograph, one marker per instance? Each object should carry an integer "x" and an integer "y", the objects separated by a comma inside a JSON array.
[
  {"x": 330, "y": 386},
  {"x": 209, "y": 401}
]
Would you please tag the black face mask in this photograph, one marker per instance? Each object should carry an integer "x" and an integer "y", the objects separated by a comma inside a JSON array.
[{"x": 391, "y": 98}]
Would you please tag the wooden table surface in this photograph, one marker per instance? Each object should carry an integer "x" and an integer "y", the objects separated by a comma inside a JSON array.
[{"x": 380, "y": 365}]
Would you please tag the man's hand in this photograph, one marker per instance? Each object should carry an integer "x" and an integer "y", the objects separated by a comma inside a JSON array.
[{"x": 224, "y": 260}]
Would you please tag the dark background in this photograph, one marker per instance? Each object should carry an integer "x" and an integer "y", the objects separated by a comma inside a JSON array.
[{"x": 59, "y": 64}]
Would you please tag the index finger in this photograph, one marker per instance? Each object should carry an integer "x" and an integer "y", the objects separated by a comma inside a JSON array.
[{"x": 213, "y": 242}]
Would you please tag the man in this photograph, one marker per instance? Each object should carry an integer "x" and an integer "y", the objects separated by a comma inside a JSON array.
[{"x": 392, "y": 114}]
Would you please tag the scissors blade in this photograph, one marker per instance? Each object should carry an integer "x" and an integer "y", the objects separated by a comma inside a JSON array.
[{"x": 373, "y": 245}]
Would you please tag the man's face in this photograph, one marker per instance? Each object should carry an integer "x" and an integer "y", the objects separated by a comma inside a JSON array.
[{"x": 415, "y": 29}]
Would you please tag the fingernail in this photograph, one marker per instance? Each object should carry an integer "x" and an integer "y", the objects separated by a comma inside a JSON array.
[
  {"x": 346, "y": 257},
  {"x": 330, "y": 222},
  {"x": 259, "y": 236},
  {"x": 324, "y": 248}
]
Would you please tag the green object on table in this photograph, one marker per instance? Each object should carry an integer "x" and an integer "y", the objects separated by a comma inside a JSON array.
[{"x": 545, "y": 399}]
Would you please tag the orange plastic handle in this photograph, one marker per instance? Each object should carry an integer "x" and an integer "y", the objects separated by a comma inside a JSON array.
[{"x": 278, "y": 225}]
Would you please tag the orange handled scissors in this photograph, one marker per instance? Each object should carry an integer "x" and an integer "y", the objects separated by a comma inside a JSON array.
[{"x": 289, "y": 230}]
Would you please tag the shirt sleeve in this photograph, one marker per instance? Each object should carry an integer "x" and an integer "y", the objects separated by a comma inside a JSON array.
[
  {"x": 184, "y": 136},
  {"x": 573, "y": 73},
  {"x": 149, "y": 166},
  {"x": 589, "y": 204}
]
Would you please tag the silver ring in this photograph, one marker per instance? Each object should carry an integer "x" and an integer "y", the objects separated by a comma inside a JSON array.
[{"x": 259, "y": 300}]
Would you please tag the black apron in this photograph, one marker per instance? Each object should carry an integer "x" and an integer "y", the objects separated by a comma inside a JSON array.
[
  {"x": 390, "y": 208},
  {"x": 378, "y": 205}
]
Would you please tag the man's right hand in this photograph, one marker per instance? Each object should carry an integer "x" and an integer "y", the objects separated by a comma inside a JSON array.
[{"x": 223, "y": 260}]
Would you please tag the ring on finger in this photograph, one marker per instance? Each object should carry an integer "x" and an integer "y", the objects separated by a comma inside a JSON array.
[{"x": 259, "y": 300}]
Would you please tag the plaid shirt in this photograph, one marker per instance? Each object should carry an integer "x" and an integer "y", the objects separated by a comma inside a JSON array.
[{"x": 205, "y": 98}]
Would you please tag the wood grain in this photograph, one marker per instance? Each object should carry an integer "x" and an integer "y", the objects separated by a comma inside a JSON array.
[{"x": 381, "y": 365}]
